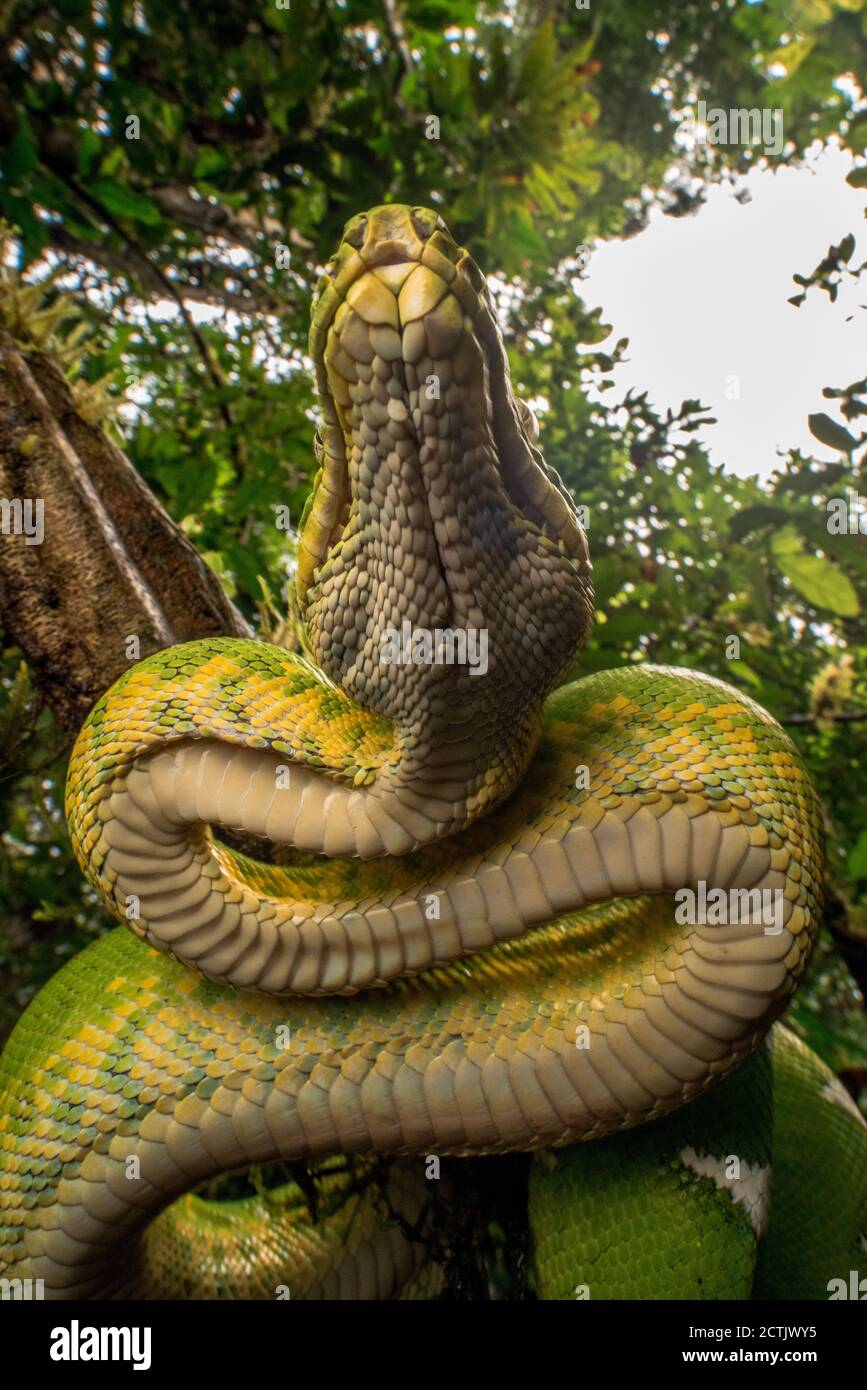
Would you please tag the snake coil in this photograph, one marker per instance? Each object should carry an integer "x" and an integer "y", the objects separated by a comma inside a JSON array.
[{"x": 469, "y": 948}]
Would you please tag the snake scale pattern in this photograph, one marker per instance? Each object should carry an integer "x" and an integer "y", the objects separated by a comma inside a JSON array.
[{"x": 470, "y": 944}]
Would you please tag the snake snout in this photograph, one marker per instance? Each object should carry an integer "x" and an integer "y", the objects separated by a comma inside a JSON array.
[{"x": 394, "y": 234}]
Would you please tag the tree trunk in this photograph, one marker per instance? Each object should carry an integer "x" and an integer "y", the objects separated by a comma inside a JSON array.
[{"x": 110, "y": 564}]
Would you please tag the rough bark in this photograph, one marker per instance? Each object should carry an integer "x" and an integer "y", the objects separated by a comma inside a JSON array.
[{"x": 112, "y": 564}]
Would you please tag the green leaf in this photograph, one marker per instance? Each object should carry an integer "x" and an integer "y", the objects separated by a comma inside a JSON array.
[
  {"x": 21, "y": 156},
  {"x": 751, "y": 518},
  {"x": 792, "y": 55},
  {"x": 110, "y": 161},
  {"x": 624, "y": 626},
  {"x": 756, "y": 574},
  {"x": 857, "y": 861},
  {"x": 20, "y": 213},
  {"x": 217, "y": 563},
  {"x": 819, "y": 581},
  {"x": 121, "y": 201},
  {"x": 828, "y": 432},
  {"x": 746, "y": 673},
  {"x": 90, "y": 146},
  {"x": 858, "y": 177},
  {"x": 210, "y": 161}
]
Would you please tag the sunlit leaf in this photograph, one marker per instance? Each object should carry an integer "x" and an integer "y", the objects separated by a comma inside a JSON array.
[
  {"x": 746, "y": 673},
  {"x": 819, "y": 581},
  {"x": 828, "y": 432}
]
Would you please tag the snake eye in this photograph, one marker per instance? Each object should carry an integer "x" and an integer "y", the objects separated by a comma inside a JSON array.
[
  {"x": 355, "y": 231},
  {"x": 424, "y": 222},
  {"x": 528, "y": 420}
]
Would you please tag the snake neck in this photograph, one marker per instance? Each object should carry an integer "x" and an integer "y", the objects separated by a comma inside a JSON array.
[{"x": 443, "y": 572}]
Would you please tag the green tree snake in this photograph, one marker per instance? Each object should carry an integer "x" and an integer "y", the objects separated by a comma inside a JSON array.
[{"x": 473, "y": 944}]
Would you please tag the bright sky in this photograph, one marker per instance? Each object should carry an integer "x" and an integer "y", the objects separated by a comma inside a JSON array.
[{"x": 703, "y": 299}]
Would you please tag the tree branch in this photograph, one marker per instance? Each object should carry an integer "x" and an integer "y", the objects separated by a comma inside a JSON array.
[
  {"x": 178, "y": 205},
  {"x": 397, "y": 33},
  {"x": 141, "y": 259},
  {"x": 121, "y": 263},
  {"x": 58, "y": 151}
]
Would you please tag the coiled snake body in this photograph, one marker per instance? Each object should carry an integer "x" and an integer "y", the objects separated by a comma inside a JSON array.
[{"x": 474, "y": 945}]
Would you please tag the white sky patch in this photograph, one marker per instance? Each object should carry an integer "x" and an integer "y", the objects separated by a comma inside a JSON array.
[
  {"x": 703, "y": 301},
  {"x": 751, "y": 1190}
]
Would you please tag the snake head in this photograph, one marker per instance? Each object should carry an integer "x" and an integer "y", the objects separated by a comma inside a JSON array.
[{"x": 433, "y": 504}]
